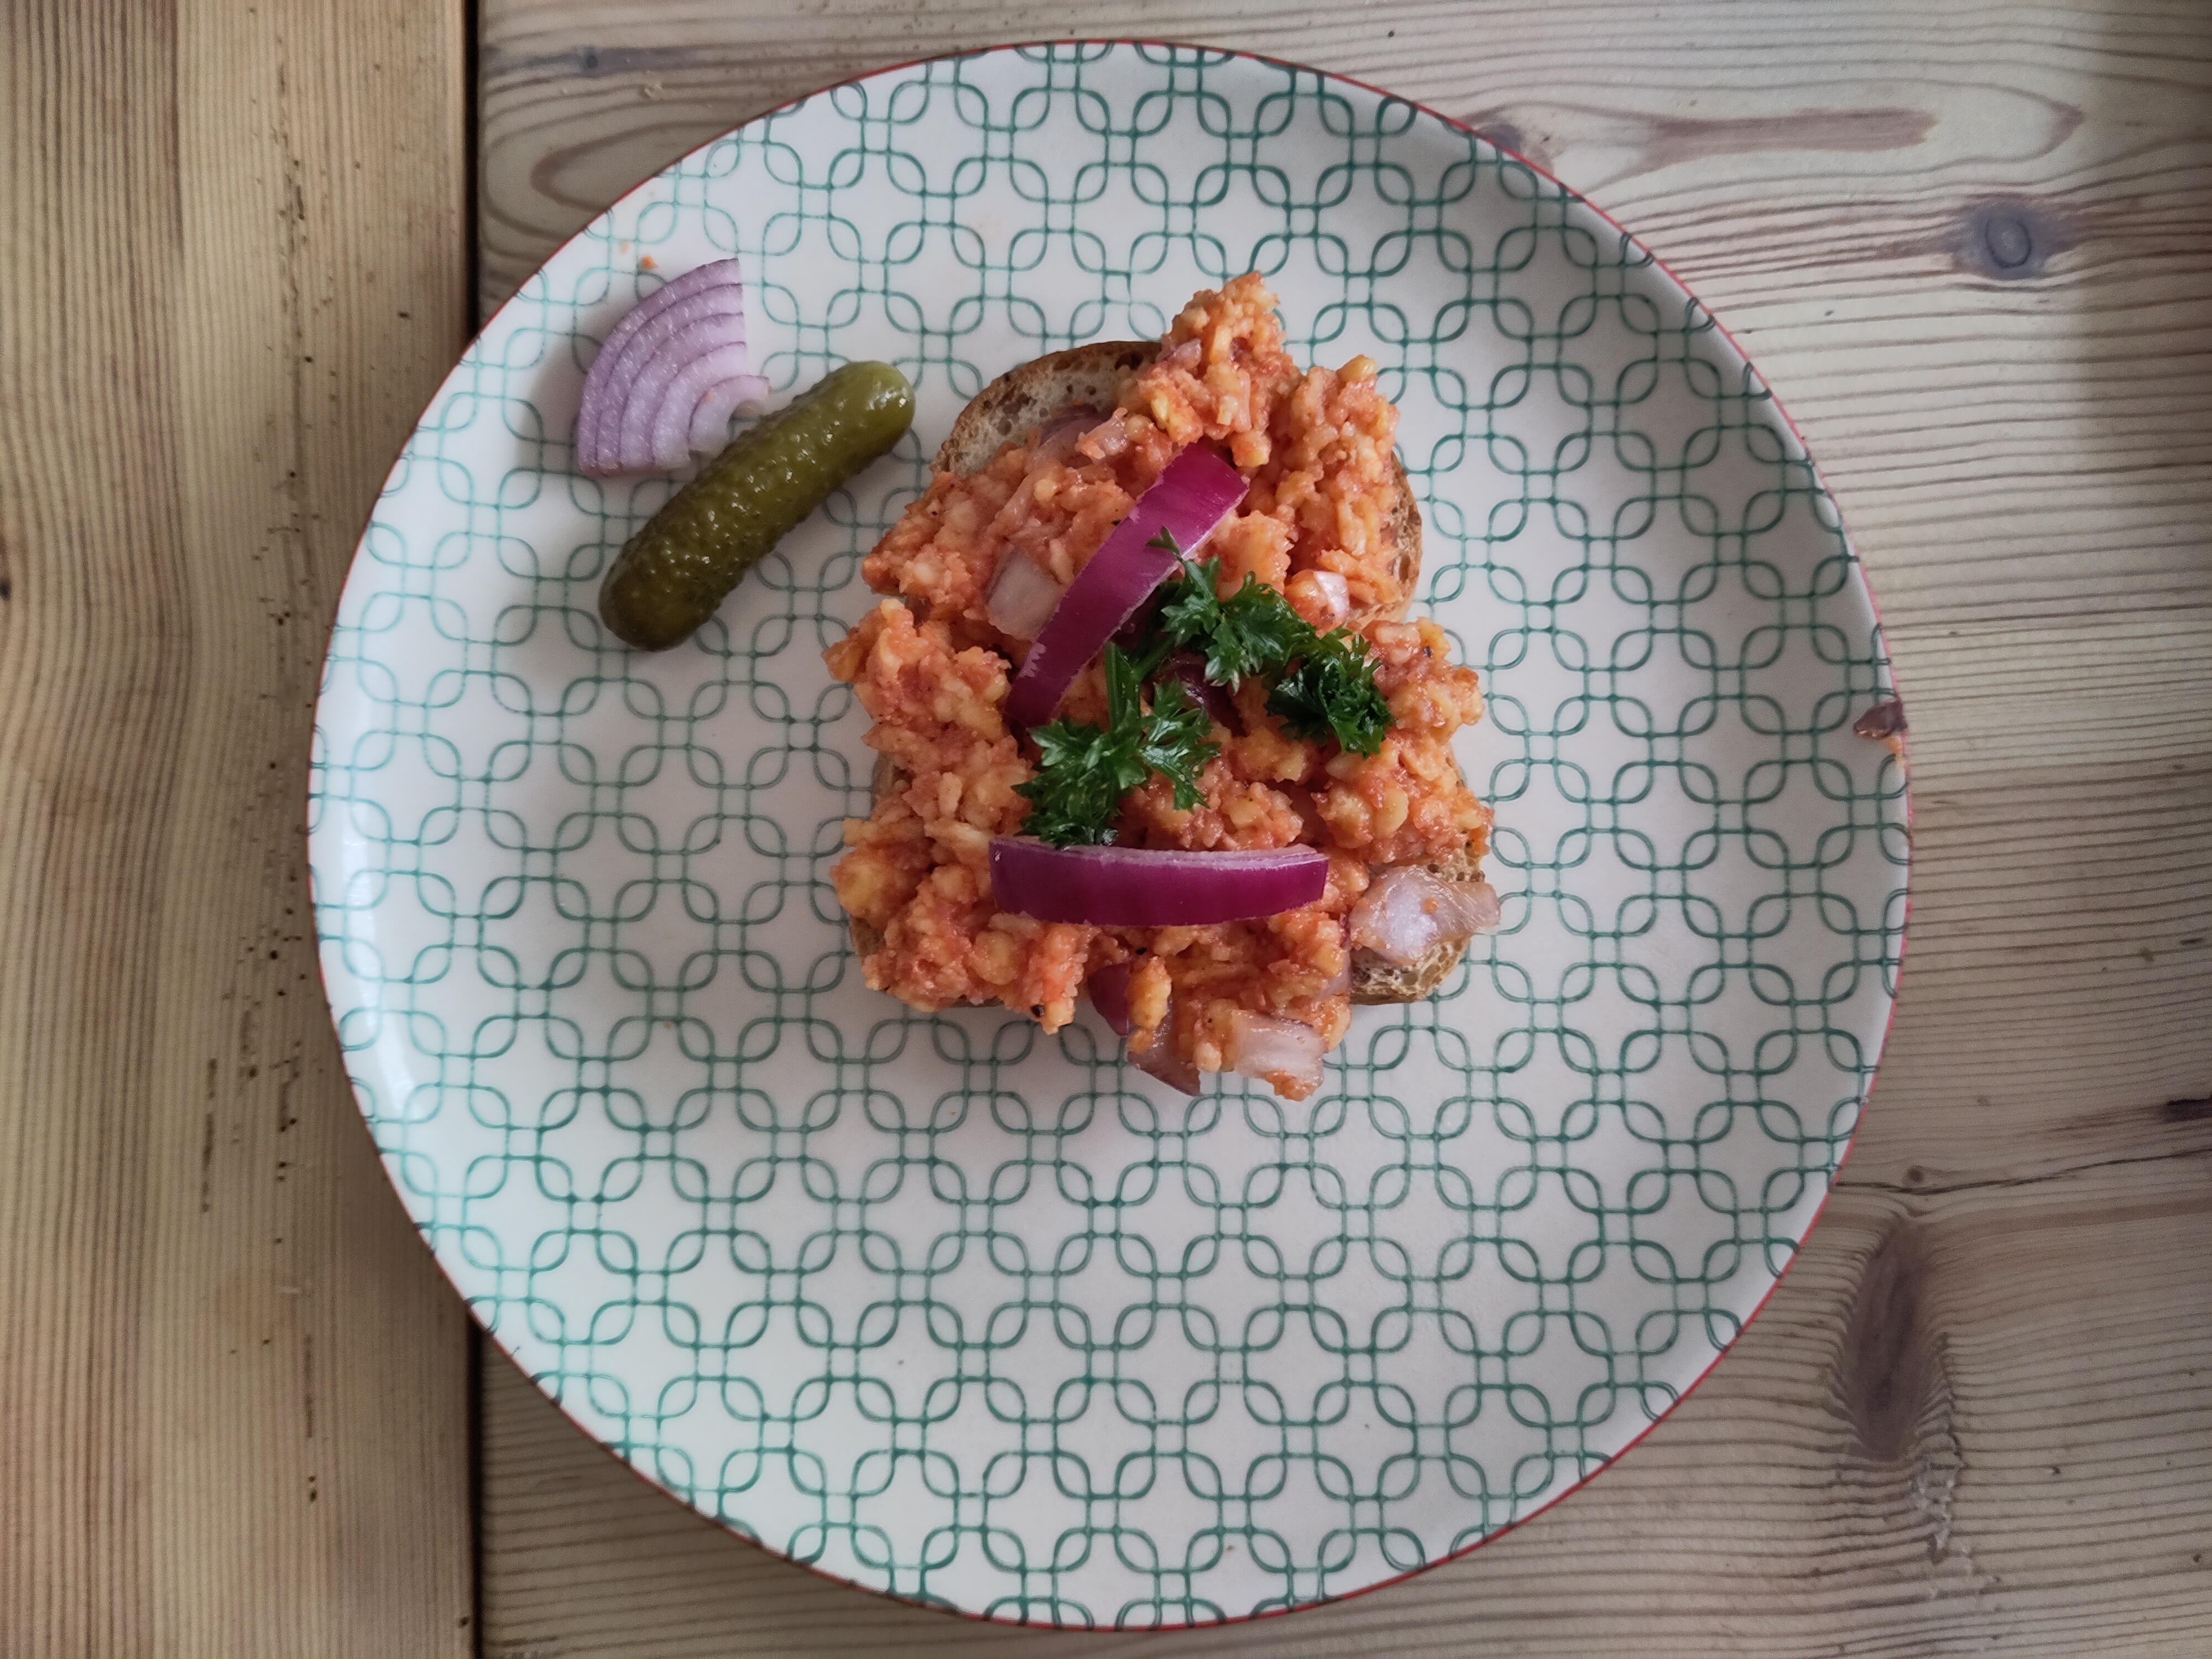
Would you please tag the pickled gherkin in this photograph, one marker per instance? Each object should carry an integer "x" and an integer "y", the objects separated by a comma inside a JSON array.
[{"x": 671, "y": 576}]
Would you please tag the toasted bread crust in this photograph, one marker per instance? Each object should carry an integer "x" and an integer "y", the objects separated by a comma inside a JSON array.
[
  {"x": 1405, "y": 536},
  {"x": 889, "y": 778},
  {"x": 1098, "y": 374}
]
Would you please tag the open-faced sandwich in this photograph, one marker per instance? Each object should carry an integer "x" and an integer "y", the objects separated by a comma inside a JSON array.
[{"x": 1150, "y": 724}]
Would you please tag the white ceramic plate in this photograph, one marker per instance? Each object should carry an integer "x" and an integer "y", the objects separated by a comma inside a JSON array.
[{"x": 953, "y": 1309}]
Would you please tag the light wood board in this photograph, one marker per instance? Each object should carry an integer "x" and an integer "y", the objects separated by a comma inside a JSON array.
[
  {"x": 1975, "y": 1417},
  {"x": 232, "y": 1400}
]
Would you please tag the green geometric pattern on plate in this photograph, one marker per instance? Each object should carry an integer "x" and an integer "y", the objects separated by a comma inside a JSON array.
[{"x": 960, "y": 1311}]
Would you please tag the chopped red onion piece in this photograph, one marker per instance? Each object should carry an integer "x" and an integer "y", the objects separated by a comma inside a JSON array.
[
  {"x": 1057, "y": 437},
  {"x": 1278, "y": 1051},
  {"x": 1409, "y": 911},
  {"x": 1162, "y": 1061},
  {"x": 1023, "y": 595},
  {"x": 1110, "y": 995},
  {"x": 1128, "y": 887},
  {"x": 1338, "y": 591},
  {"x": 1341, "y": 982},
  {"x": 1195, "y": 493},
  {"x": 1188, "y": 669},
  {"x": 1104, "y": 440}
]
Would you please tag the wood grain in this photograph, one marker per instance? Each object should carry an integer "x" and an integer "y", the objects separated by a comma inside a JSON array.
[
  {"x": 233, "y": 1409},
  {"x": 1970, "y": 246}
]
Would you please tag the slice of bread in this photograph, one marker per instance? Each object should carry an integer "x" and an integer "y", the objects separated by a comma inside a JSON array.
[{"x": 1097, "y": 375}]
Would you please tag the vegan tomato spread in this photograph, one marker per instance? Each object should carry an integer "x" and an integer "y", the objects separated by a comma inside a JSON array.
[{"x": 1317, "y": 527}]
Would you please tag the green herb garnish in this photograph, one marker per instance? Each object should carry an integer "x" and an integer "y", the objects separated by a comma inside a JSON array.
[
  {"x": 1084, "y": 771},
  {"x": 1324, "y": 686},
  {"x": 1328, "y": 689},
  {"x": 1253, "y": 631},
  {"x": 1332, "y": 692}
]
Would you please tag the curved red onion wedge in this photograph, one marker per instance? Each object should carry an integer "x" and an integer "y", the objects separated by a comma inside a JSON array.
[
  {"x": 652, "y": 395},
  {"x": 1195, "y": 493},
  {"x": 614, "y": 373},
  {"x": 1129, "y": 887},
  {"x": 1161, "y": 1061}
]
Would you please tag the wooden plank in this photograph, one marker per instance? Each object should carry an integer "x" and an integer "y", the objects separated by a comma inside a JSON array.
[
  {"x": 2024, "y": 453},
  {"x": 232, "y": 1388}
]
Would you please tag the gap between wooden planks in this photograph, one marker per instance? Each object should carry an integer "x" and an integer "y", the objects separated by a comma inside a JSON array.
[
  {"x": 1972, "y": 249},
  {"x": 232, "y": 1388}
]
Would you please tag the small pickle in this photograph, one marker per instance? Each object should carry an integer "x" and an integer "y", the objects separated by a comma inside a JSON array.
[{"x": 670, "y": 577}]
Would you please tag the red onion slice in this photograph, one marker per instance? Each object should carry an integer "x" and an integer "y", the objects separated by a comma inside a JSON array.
[
  {"x": 677, "y": 409},
  {"x": 1278, "y": 1051},
  {"x": 1130, "y": 887},
  {"x": 710, "y": 422},
  {"x": 1195, "y": 493},
  {"x": 1408, "y": 912},
  {"x": 1109, "y": 994},
  {"x": 659, "y": 387},
  {"x": 1023, "y": 595}
]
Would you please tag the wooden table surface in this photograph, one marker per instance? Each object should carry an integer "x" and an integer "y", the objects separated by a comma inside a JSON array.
[{"x": 1969, "y": 245}]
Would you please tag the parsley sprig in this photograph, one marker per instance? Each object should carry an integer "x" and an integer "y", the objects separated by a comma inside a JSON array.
[
  {"x": 1331, "y": 693},
  {"x": 1324, "y": 687},
  {"x": 1252, "y": 632},
  {"x": 1324, "y": 682},
  {"x": 1085, "y": 770}
]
